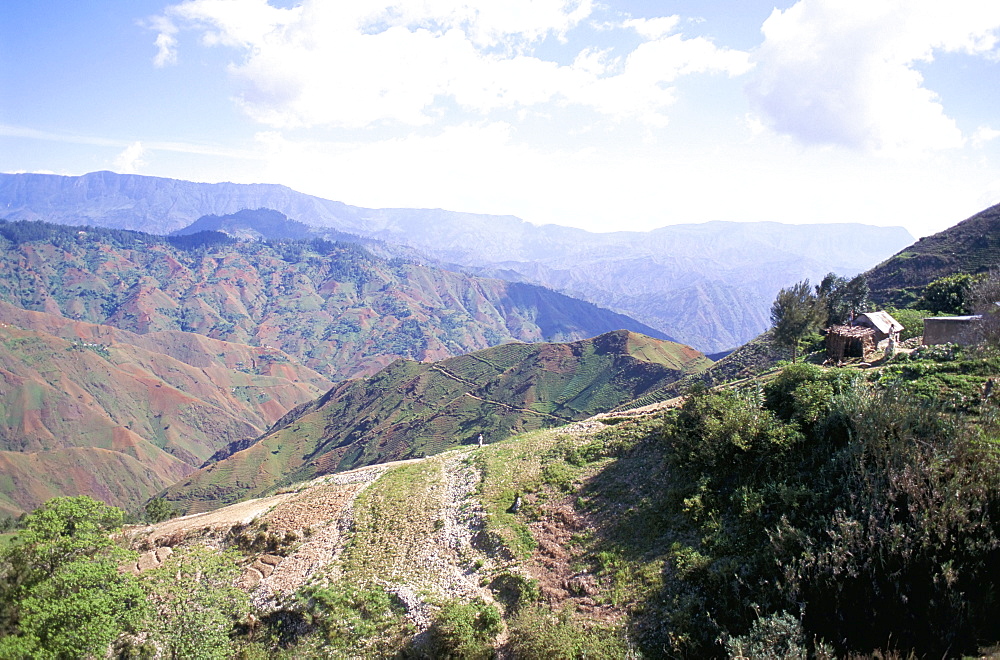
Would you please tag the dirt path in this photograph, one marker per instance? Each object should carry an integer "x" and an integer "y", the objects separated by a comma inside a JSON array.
[{"x": 565, "y": 420}]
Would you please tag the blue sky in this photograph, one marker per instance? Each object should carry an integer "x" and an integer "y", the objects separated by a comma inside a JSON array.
[{"x": 602, "y": 115}]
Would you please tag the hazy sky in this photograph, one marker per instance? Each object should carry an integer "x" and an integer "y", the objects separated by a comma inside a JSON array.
[{"x": 602, "y": 115}]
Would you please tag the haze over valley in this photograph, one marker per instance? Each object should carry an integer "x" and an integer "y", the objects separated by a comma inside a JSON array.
[{"x": 499, "y": 330}]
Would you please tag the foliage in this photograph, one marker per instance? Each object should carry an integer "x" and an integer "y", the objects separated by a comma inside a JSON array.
[
  {"x": 879, "y": 515},
  {"x": 951, "y": 294},
  {"x": 538, "y": 633},
  {"x": 775, "y": 637},
  {"x": 841, "y": 296},
  {"x": 196, "y": 602},
  {"x": 983, "y": 298},
  {"x": 465, "y": 629},
  {"x": 159, "y": 509},
  {"x": 354, "y": 620},
  {"x": 795, "y": 312},
  {"x": 912, "y": 321},
  {"x": 63, "y": 593},
  {"x": 200, "y": 240}
]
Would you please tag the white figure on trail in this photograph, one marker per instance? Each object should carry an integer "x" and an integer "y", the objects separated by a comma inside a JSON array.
[{"x": 480, "y": 439}]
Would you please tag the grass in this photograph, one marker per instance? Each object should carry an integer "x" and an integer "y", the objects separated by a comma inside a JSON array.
[{"x": 393, "y": 522}]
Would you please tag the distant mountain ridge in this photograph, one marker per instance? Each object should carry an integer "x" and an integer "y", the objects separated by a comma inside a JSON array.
[
  {"x": 334, "y": 306},
  {"x": 709, "y": 285},
  {"x": 411, "y": 409}
]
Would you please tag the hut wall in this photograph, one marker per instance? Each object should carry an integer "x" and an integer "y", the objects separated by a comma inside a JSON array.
[
  {"x": 950, "y": 330},
  {"x": 845, "y": 341}
]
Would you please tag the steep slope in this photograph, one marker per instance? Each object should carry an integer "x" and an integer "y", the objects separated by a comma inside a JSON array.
[
  {"x": 972, "y": 246},
  {"x": 93, "y": 410},
  {"x": 410, "y": 409},
  {"x": 742, "y": 524},
  {"x": 726, "y": 266},
  {"x": 335, "y": 307}
]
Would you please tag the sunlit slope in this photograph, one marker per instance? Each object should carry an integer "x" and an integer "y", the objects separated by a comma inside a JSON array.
[
  {"x": 332, "y": 306},
  {"x": 412, "y": 409},
  {"x": 89, "y": 409},
  {"x": 971, "y": 246}
]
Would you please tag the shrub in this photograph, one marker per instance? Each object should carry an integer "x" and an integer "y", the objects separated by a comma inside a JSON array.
[
  {"x": 356, "y": 620},
  {"x": 465, "y": 630},
  {"x": 537, "y": 633}
]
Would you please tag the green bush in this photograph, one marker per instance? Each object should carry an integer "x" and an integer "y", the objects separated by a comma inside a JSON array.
[
  {"x": 515, "y": 590},
  {"x": 356, "y": 620},
  {"x": 537, "y": 633},
  {"x": 912, "y": 321},
  {"x": 876, "y": 512},
  {"x": 465, "y": 630}
]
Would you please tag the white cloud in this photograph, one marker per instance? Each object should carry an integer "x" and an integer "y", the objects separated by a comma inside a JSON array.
[
  {"x": 131, "y": 159},
  {"x": 166, "y": 41},
  {"x": 983, "y": 135},
  {"x": 653, "y": 28},
  {"x": 844, "y": 71},
  {"x": 357, "y": 64}
]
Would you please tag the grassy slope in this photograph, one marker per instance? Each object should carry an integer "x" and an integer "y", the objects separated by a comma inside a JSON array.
[
  {"x": 411, "y": 409},
  {"x": 608, "y": 554},
  {"x": 972, "y": 246}
]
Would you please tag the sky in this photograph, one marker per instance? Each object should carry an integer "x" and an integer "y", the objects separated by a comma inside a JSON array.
[{"x": 600, "y": 115}]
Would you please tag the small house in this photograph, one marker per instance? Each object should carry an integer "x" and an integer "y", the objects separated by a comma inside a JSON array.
[
  {"x": 951, "y": 329},
  {"x": 885, "y": 326},
  {"x": 846, "y": 341}
]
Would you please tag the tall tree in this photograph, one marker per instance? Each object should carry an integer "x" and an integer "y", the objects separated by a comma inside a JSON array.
[
  {"x": 795, "y": 312},
  {"x": 951, "y": 294},
  {"x": 840, "y": 296}
]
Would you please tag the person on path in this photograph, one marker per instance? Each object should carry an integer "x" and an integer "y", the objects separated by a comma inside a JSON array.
[{"x": 480, "y": 439}]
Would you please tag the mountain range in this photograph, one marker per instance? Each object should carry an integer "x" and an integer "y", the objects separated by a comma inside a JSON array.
[
  {"x": 708, "y": 285},
  {"x": 334, "y": 306},
  {"x": 127, "y": 360},
  {"x": 97, "y": 410}
]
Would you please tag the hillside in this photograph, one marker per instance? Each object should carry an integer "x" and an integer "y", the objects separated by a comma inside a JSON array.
[
  {"x": 702, "y": 284},
  {"x": 333, "y": 306},
  {"x": 971, "y": 246},
  {"x": 821, "y": 513},
  {"x": 411, "y": 409},
  {"x": 90, "y": 409}
]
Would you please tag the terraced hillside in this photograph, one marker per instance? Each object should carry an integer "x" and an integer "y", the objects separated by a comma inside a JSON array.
[
  {"x": 972, "y": 246},
  {"x": 91, "y": 409},
  {"x": 411, "y": 409},
  {"x": 824, "y": 512},
  {"x": 334, "y": 307}
]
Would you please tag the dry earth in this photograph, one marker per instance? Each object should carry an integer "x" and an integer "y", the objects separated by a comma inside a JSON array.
[{"x": 416, "y": 527}]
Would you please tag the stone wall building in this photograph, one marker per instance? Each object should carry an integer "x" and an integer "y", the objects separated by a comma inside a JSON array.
[{"x": 951, "y": 329}]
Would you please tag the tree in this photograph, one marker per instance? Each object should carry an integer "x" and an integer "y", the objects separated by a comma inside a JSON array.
[
  {"x": 63, "y": 591},
  {"x": 984, "y": 299},
  {"x": 795, "y": 312},
  {"x": 158, "y": 509},
  {"x": 840, "y": 296},
  {"x": 197, "y": 603},
  {"x": 950, "y": 294}
]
